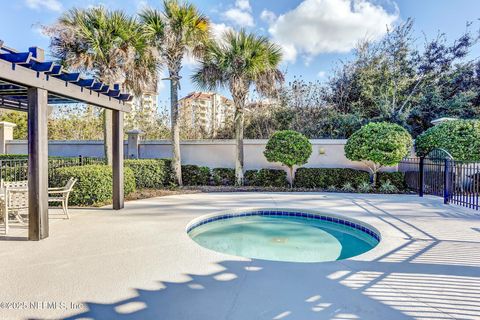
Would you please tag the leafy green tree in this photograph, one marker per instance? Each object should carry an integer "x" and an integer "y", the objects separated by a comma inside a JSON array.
[
  {"x": 180, "y": 30},
  {"x": 20, "y": 119},
  {"x": 461, "y": 138},
  {"x": 388, "y": 80},
  {"x": 109, "y": 45},
  {"x": 378, "y": 144},
  {"x": 74, "y": 122},
  {"x": 290, "y": 148},
  {"x": 455, "y": 94},
  {"x": 240, "y": 61}
]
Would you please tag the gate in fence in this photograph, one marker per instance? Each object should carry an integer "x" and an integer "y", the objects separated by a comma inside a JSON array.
[{"x": 438, "y": 174}]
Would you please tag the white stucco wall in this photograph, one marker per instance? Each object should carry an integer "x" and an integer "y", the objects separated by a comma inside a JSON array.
[{"x": 211, "y": 153}]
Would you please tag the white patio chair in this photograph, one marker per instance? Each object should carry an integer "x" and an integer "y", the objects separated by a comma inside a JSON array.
[
  {"x": 16, "y": 203},
  {"x": 18, "y": 200},
  {"x": 61, "y": 195},
  {"x": 14, "y": 184}
]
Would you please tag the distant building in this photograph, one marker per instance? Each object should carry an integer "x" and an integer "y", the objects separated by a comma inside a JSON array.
[
  {"x": 144, "y": 107},
  {"x": 205, "y": 111}
]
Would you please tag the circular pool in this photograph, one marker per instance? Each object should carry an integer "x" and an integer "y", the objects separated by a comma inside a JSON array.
[{"x": 284, "y": 235}]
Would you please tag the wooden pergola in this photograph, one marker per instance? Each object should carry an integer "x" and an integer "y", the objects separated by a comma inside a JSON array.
[{"x": 30, "y": 84}]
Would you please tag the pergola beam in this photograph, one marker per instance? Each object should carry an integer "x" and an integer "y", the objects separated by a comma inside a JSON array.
[{"x": 30, "y": 78}]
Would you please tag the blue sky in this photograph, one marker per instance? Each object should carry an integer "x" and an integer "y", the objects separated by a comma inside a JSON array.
[{"x": 315, "y": 34}]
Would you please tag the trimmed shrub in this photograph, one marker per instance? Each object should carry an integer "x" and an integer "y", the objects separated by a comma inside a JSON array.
[
  {"x": 461, "y": 138},
  {"x": 14, "y": 173},
  {"x": 13, "y": 156},
  {"x": 250, "y": 177},
  {"x": 290, "y": 148},
  {"x": 347, "y": 187},
  {"x": 149, "y": 173},
  {"x": 332, "y": 189},
  {"x": 223, "y": 176},
  {"x": 193, "y": 175},
  {"x": 378, "y": 144},
  {"x": 396, "y": 178},
  {"x": 387, "y": 187},
  {"x": 364, "y": 187},
  {"x": 25, "y": 156},
  {"x": 324, "y": 178},
  {"x": 266, "y": 178},
  {"x": 94, "y": 185}
]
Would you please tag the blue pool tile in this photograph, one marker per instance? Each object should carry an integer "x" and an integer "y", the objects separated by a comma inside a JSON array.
[{"x": 288, "y": 214}]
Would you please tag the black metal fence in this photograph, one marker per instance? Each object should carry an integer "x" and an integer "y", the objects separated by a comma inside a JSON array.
[
  {"x": 17, "y": 169},
  {"x": 458, "y": 182}
]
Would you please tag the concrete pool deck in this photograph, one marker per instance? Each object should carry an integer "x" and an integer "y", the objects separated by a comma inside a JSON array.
[{"x": 140, "y": 264}]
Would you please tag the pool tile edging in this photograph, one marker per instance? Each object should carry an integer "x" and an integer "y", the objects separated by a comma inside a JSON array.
[{"x": 290, "y": 213}]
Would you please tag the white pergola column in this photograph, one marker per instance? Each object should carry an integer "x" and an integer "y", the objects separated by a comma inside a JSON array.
[{"x": 37, "y": 164}]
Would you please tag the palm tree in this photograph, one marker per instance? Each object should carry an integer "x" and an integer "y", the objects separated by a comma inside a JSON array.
[
  {"x": 108, "y": 45},
  {"x": 177, "y": 31},
  {"x": 238, "y": 62}
]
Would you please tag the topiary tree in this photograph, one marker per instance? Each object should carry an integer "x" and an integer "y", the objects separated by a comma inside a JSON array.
[
  {"x": 290, "y": 148},
  {"x": 377, "y": 145},
  {"x": 461, "y": 138}
]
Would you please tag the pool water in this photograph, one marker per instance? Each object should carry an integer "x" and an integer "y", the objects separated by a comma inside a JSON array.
[{"x": 283, "y": 238}]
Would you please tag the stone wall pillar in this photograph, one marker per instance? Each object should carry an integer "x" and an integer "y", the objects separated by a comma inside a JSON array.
[
  {"x": 6, "y": 133},
  {"x": 133, "y": 143}
]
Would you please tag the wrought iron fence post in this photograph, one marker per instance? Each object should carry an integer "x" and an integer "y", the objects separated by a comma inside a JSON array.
[
  {"x": 80, "y": 160},
  {"x": 420, "y": 177},
  {"x": 446, "y": 181}
]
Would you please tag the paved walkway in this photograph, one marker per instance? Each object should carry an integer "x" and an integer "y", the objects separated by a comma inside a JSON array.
[{"x": 140, "y": 264}]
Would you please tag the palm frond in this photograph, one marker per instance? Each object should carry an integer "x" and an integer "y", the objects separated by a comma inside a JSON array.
[
  {"x": 108, "y": 44},
  {"x": 238, "y": 61}
]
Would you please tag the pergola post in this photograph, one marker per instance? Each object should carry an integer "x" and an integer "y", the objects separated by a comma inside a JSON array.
[
  {"x": 37, "y": 164},
  {"x": 117, "y": 161}
]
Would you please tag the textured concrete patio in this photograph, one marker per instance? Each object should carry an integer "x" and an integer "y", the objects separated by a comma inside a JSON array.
[{"x": 140, "y": 264}]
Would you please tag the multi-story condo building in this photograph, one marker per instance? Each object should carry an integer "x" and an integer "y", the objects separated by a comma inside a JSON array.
[{"x": 206, "y": 111}]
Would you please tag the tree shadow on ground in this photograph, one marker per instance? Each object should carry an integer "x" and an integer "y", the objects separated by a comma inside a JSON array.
[{"x": 396, "y": 286}]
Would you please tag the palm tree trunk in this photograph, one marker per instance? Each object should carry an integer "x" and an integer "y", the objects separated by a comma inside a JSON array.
[
  {"x": 107, "y": 136},
  {"x": 239, "y": 180},
  {"x": 176, "y": 157}
]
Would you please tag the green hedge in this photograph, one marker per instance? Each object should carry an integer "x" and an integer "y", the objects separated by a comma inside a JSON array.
[
  {"x": 13, "y": 156},
  {"x": 94, "y": 185},
  {"x": 396, "y": 178},
  {"x": 14, "y": 173},
  {"x": 25, "y": 156},
  {"x": 324, "y": 178},
  {"x": 150, "y": 173},
  {"x": 266, "y": 178},
  {"x": 193, "y": 175},
  {"x": 223, "y": 176}
]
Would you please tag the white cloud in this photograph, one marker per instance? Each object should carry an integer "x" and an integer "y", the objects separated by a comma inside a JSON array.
[
  {"x": 190, "y": 61},
  {"x": 218, "y": 29},
  {"x": 320, "y": 26},
  {"x": 53, "y": 5},
  {"x": 243, "y": 5},
  {"x": 321, "y": 74},
  {"x": 240, "y": 14},
  {"x": 142, "y": 4},
  {"x": 37, "y": 28},
  {"x": 268, "y": 16},
  {"x": 239, "y": 17}
]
